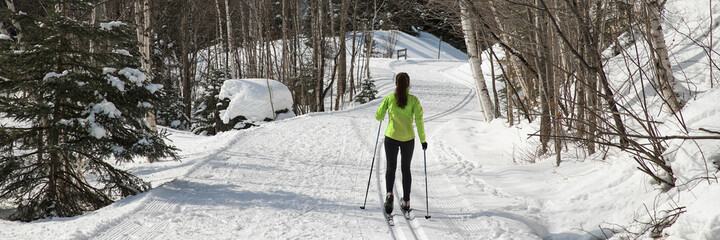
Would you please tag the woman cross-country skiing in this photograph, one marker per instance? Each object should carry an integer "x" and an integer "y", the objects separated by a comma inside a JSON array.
[{"x": 401, "y": 107}]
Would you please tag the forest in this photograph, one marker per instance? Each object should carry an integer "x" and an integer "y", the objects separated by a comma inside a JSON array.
[{"x": 88, "y": 81}]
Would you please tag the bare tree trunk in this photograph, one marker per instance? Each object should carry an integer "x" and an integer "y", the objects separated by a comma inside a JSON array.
[
  {"x": 335, "y": 47},
  {"x": 492, "y": 74},
  {"x": 525, "y": 84},
  {"x": 661, "y": 60},
  {"x": 285, "y": 49},
  {"x": 95, "y": 17},
  {"x": 591, "y": 88},
  {"x": 142, "y": 20},
  {"x": 230, "y": 40},
  {"x": 319, "y": 48},
  {"x": 369, "y": 39},
  {"x": 269, "y": 72},
  {"x": 221, "y": 39},
  {"x": 539, "y": 39},
  {"x": 553, "y": 90},
  {"x": 245, "y": 42},
  {"x": 298, "y": 61},
  {"x": 475, "y": 63},
  {"x": 508, "y": 97},
  {"x": 342, "y": 62},
  {"x": 250, "y": 46},
  {"x": 185, "y": 51},
  {"x": 298, "y": 56},
  {"x": 351, "y": 84}
]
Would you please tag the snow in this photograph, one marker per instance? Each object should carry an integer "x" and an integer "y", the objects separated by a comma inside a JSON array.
[
  {"x": 107, "y": 108},
  {"x": 116, "y": 82},
  {"x": 153, "y": 87},
  {"x": 94, "y": 129},
  {"x": 250, "y": 98},
  {"x": 144, "y": 104},
  {"x": 424, "y": 46},
  {"x": 305, "y": 177},
  {"x": 175, "y": 124},
  {"x": 134, "y": 75},
  {"x": 97, "y": 131},
  {"x": 108, "y": 26},
  {"x": 698, "y": 223},
  {"x": 122, "y": 52},
  {"x": 55, "y": 75},
  {"x": 107, "y": 70}
]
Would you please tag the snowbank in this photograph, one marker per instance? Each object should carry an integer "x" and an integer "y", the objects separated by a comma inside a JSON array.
[{"x": 250, "y": 99}]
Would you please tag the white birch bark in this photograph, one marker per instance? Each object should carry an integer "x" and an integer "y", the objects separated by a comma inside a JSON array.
[
  {"x": 661, "y": 60},
  {"x": 475, "y": 64}
]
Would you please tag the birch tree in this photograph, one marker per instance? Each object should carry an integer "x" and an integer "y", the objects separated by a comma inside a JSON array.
[
  {"x": 475, "y": 63},
  {"x": 661, "y": 60}
]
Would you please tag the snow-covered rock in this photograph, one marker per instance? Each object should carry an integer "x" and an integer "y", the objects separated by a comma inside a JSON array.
[{"x": 246, "y": 102}]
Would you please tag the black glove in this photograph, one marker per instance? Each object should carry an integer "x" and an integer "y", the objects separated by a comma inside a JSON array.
[{"x": 424, "y": 145}]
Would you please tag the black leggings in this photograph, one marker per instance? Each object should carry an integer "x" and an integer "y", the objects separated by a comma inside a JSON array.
[{"x": 391, "y": 152}]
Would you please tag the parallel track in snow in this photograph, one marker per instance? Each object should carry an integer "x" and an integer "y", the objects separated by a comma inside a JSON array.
[
  {"x": 399, "y": 230},
  {"x": 446, "y": 97}
]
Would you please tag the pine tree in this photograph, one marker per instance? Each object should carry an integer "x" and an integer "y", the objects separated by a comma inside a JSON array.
[
  {"x": 367, "y": 92},
  {"x": 170, "y": 111},
  {"x": 204, "y": 117},
  {"x": 73, "y": 111}
]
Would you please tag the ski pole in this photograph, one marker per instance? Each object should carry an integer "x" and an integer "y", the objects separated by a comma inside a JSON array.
[
  {"x": 427, "y": 201},
  {"x": 372, "y": 165}
]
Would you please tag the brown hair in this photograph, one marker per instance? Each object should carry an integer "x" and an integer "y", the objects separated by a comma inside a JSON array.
[{"x": 402, "y": 82}]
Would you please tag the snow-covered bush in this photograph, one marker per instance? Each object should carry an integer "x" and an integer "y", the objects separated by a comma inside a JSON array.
[{"x": 246, "y": 102}]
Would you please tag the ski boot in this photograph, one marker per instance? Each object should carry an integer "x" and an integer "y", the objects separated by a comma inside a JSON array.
[
  {"x": 405, "y": 205},
  {"x": 389, "y": 203}
]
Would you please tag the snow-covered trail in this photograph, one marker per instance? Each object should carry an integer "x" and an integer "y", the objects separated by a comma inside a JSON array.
[
  {"x": 462, "y": 207},
  {"x": 305, "y": 178}
]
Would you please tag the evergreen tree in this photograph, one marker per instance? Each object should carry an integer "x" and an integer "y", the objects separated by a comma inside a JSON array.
[
  {"x": 206, "y": 105},
  {"x": 367, "y": 92},
  {"x": 73, "y": 110},
  {"x": 170, "y": 111}
]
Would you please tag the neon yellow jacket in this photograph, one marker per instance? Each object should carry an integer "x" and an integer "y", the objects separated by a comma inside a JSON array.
[{"x": 400, "y": 126}]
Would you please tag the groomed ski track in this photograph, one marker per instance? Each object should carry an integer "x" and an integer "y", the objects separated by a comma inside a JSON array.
[{"x": 305, "y": 178}]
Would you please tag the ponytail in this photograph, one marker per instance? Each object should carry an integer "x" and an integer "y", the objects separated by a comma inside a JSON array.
[{"x": 402, "y": 82}]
